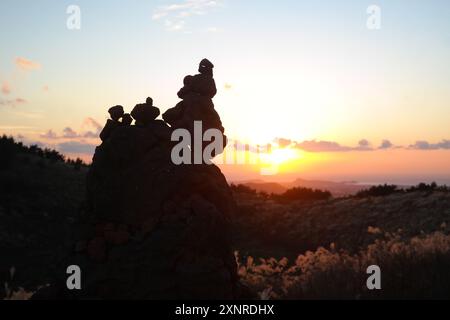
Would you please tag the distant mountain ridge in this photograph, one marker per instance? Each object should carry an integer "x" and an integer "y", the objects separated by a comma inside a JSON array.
[{"x": 337, "y": 189}]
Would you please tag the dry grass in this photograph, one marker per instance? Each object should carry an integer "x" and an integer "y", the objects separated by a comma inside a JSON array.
[{"x": 416, "y": 269}]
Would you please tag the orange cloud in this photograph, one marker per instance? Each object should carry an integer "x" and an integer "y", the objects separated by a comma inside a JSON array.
[
  {"x": 6, "y": 88},
  {"x": 26, "y": 64},
  {"x": 13, "y": 102}
]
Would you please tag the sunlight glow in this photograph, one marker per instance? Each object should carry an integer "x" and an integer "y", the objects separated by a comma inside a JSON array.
[{"x": 281, "y": 156}]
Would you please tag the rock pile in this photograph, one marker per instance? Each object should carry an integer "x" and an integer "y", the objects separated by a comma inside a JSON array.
[
  {"x": 156, "y": 230},
  {"x": 197, "y": 104}
]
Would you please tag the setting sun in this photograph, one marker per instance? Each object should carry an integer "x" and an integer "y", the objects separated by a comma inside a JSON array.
[{"x": 281, "y": 156}]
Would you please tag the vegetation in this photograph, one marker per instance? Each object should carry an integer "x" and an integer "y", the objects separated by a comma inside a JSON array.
[
  {"x": 289, "y": 196},
  {"x": 41, "y": 197},
  {"x": 414, "y": 269},
  {"x": 385, "y": 190},
  {"x": 302, "y": 194},
  {"x": 10, "y": 149},
  {"x": 378, "y": 191},
  {"x": 302, "y": 244}
]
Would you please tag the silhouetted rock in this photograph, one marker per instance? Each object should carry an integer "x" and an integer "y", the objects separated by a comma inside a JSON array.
[
  {"x": 197, "y": 104},
  {"x": 206, "y": 67},
  {"x": 202, "y": 84},
  {"x": 116, "y": 112},
  {"x": 126, "y": 119},
  {"x": 109, "y": 128},
  {"x": 156, "y": 230},
  {"x": 145, "y": 113}
]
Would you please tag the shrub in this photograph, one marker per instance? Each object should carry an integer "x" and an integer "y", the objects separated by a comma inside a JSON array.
[
  {"x": 240, "y": 188},
  {"x": 302, "y": 194},
  {"x": 378, "y": 191},
  {"x": 415, "y": 269}
]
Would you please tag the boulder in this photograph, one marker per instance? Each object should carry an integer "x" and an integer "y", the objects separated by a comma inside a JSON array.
[
  {"x": 154, "y": 230},
  {"x": 116, "y": 113},
  {"x": 126, "y": 119},
  {"x": 145, "y": 113}
]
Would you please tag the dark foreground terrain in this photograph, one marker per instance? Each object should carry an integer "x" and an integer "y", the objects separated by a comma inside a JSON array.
[{"x": 291, "y": 250}]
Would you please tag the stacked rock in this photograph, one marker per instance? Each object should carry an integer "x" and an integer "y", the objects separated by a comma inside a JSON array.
[
  {"x": 197, "y": 104},
  {"x": 115, "y": 113},
  {"x": 154, "y": 229},
  {"x": 145, "y": 113}
]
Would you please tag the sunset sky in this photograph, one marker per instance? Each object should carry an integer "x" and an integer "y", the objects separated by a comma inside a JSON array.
[{"x": 352, "y": 103}]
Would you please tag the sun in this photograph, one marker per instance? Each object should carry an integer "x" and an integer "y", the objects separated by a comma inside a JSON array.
[{"x": 283, "y": 155}]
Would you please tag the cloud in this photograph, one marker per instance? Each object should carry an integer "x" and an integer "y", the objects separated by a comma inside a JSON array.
[
  {"x": 12, "y": 102},
  {"x": 76, "y": 147},
  {"x": 363, "y": 145},
  {"x": 90, "y": 135},
  {"x": 174, "y": 26},
  {"x": 176, "y": 13},
  {"x": 26, "y": 64},
  {"x": 283, "y": 143},
  {"x": 425, "y": 145},
  {"x": 92, "y": 123},
  {"x": 322, "y": 146},
  {"x": 385, "y": 144},
  {"x": 49, "y": 135},
  {"x": 6, "y": 88},
  {"x": 69, "y": 133}
]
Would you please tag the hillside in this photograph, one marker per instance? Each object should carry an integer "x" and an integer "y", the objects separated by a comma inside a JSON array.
[
  {"x": 338, "y": 189},
  {"x": 350, "y": 223},
  {"x": 41, "y": 198},
  {"x": 285, "y": 249}
]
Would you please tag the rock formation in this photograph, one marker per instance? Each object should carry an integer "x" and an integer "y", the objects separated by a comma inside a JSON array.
[
  {"x": 197, "y": 104},
  {"x": 145, "y": 113},
  {"x": 116, "y": 113},
  {"x": 153, "y": 229}
]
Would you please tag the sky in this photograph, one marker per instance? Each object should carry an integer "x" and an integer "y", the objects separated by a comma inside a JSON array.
[{"x": 349, "y": 101}]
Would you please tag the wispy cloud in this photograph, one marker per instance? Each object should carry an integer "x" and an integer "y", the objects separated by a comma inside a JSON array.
[
  {"x": 363, "y": 145},
  {"x": 6, "y": 88},
  {"x": 176, "y": 14},
  {"x": 91, "y": 122},
  {"x": 321, "y": 146},
  {"x": 49, "y": 135},
  {"x": 77, "y": 147},
  {"x": 70, "y": 133},
  {"x": 25, "y": 64},
  {"x": 12, "y": 102},
  {"x": 283, "y": 143},
  {"x": 386, "y": 144},
  {"x": 425, "y": 145}
]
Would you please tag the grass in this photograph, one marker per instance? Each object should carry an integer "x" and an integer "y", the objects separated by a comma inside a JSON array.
[{"x": 414, "y": 269}]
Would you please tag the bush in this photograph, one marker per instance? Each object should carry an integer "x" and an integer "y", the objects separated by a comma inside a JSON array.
[
  {"x": 302, "y": 194},
  {"x": 378, "y": 191},
  {"x": 9, "y": 148},
  {"x": 414, "y": 269},
  {"x": 240, "y": 188}
]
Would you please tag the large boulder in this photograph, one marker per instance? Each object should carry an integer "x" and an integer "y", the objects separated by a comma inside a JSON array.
[{"x": 155, "y": 230}]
